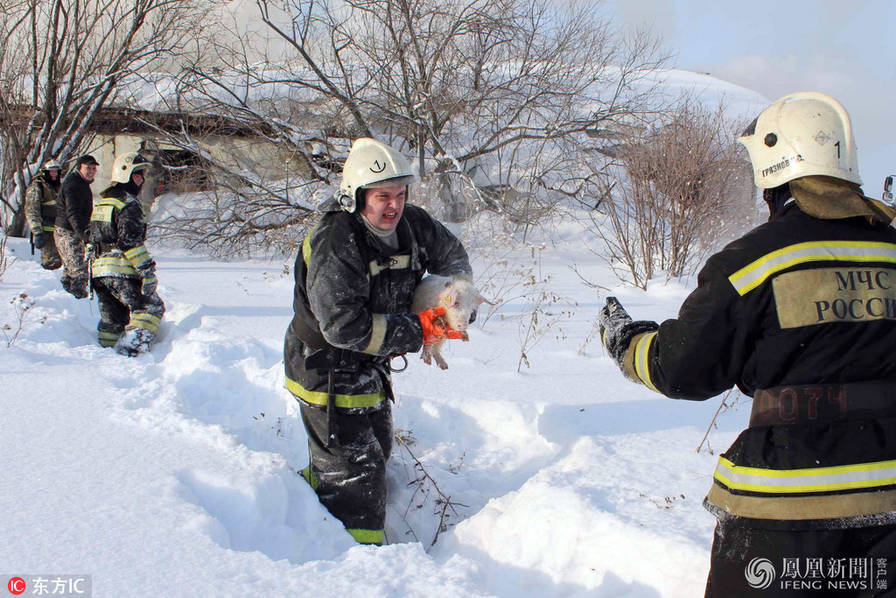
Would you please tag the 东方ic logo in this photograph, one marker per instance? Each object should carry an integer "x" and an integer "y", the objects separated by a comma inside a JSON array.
[{"x": 15, "y": 585}]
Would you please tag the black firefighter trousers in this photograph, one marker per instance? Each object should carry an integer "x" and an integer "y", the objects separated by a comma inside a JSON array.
[
  {"x": 129, "y": 320},
  {"x": 349, "y": 476},
  {"x": 821, "y": 563}
]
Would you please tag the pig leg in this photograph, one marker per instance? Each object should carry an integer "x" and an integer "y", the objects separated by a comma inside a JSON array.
[
  {"x": 437, "y": 354},
  {"x": 426, "y": 354}
]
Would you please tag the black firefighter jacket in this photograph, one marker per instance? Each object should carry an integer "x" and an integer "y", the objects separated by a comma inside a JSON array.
[
  {"x": 797, "y": 301},
  {"x": 352, "y": 305},
  {"x": 74, "y": 205},
  {"x": 118, "y": 232}
]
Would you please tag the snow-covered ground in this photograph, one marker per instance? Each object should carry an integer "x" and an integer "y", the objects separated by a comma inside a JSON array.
[{"x": 174, "y": 473}]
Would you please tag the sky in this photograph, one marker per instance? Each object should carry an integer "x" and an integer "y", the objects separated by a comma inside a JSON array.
[{"x": 844, "y": 49}]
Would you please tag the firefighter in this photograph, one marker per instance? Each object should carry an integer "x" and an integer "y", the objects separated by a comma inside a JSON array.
[
  {"x": 355, "y": 278},
  {"x": 74, "y": 204},
  {"x": 800, "y": 314},
  {"x": 40, "y": 210},
  {"x": 123, "y": 273}
]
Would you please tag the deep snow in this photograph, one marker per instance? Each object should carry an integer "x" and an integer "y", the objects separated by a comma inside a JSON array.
[{"x": 174, "y": 473}]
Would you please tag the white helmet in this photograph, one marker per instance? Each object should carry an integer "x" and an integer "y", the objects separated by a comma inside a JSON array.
[
  {"x": 126, "y": 165},
  {"x": 51, "y": 165},
  {"x": 801, "y": 134},
  {"x": 370, "y": 164}
]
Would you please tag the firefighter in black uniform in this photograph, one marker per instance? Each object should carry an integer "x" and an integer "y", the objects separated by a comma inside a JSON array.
[
  {"x": 800, "y": 314},
  {"x": 123, "y": 272},
  {"x": 355, "y": 278}
]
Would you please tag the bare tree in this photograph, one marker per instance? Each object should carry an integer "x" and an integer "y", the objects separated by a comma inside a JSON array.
[
  {"x": 490, "y": 96},
  {"x": 489, "y": 93},
  {"x": 683, "y": 188},
  {"x": 239, "y": 209},
  {"x": 63, "y": 60}
]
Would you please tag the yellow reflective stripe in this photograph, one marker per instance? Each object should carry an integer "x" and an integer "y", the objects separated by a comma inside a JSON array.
[
  {"x": 345, "y": 401},
  {"x": 400, "y": 262},
  {"x": 310, "y": 477},
  {"x": 306, "y": 246},
  {"x": 146, "y": 321},
  {"x": 111, "y": 201},
  {"x": 642, "y": 365},
  {"x": 306, "y": 250},
  {"x": 138, "y": 256},
  {"x": 377, "y": 335},
  {"x": 816, "y": 479},
  {"x": 107, "y": 339},
  {"x": 754, "y": 274},
  {"x": 114, "y": 264},
  {"x": 366, "y": 536},
  {"x": 47, "y": 228}
]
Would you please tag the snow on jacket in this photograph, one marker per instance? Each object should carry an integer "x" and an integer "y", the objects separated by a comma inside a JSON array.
[
  {"x": 797, "y": 301},
  {"x": 74, "y": 205},
  {"x": 352, "y": 304},
  {"x": 117, "y": 232},
  {"x": 40, "y": 204}
]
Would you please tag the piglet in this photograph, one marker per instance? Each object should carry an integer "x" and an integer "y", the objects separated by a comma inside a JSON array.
[{"x": 459, "y": 298}]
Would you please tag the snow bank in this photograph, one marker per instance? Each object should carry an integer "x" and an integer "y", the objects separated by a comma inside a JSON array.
[{"x": 174, "y": 473}]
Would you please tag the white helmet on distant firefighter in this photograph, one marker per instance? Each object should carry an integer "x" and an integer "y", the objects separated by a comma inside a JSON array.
[
  {"x": 372, "y": 164},
  {"x": 127, "y": 164},
  {"x": 802, "y": 134}
]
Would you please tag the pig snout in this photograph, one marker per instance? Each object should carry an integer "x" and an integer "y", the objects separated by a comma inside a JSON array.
[{"x": 458, "y": 317}]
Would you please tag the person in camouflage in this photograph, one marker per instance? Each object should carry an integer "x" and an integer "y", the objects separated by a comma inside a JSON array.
[
  {"x": 74, "y": 204},
  {"x": 124, "y": 274},
  {"x": 40, "y": 211},
  {"x": 355, "y": 277}
]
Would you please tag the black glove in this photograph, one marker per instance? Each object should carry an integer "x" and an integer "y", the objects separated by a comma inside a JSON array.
[
  {"x": 617, "y": 328},
  {"x": 40, "y": 240}
]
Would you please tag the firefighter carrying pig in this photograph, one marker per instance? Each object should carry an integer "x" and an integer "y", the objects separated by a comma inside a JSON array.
[{"x": 355, "y": 277}]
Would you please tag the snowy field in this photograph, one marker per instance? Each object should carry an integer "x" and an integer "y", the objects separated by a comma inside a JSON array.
[{"x": 174, "y": 473}]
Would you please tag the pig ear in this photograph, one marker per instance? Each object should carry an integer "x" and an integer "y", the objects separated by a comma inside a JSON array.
[{"x": 480, "y": 300}]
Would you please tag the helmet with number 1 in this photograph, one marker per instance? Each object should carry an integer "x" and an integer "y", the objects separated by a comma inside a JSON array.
[
  {"x": 801, "y": 134},
  {"x": 127, "y": 164},
  {"x": 371, "y": 164}
]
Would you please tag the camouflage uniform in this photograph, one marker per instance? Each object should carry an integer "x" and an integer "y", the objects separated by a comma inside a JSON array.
[
  {"x": 75, "y": 202},
  {"x": 123, "y": 272},
  {"x": 40, "y": 210}
]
